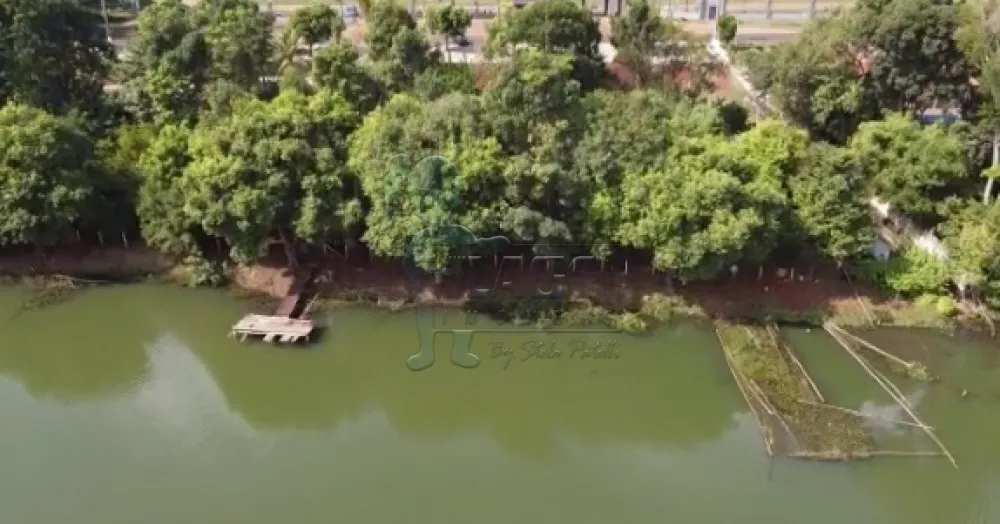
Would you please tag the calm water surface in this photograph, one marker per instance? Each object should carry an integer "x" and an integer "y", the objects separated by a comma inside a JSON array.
[{"x": 128, "y": 405}]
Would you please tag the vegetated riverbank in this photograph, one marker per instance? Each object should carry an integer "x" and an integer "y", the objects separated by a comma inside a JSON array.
[{"x": 628, "y": 295}]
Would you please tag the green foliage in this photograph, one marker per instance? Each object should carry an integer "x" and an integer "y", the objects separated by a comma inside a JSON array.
[
  {"x": 449, "y": 21},
  {"x": 876, "y": 58},
  {"x": 972, "y": 235},
  {"x": 829, "y": 207},
  {"x": 553, "y": 27},
  {"x": 165, "y": 225},
  {"x": 202, "y": 146},
  {"x": 444, "y": 79},
  {"x": 316, "y": 23},
  {"x": 629, "y": 323},
  {"x": 910, "y": 166},
  {"x": 915, "y": 273},
  {"x": 53, "y": 54},
  {"x": 204, "y": 272},
  {"x": 45, "y": 167},
  {"x": 947, "y": 307},
  {"x": 337, "y": 68},
  {"x": 398, "y": 50},
  {"x": 727, "y": 27},
  {"x": 179, "y": 52},
  {"x": 272, "y": 166}
]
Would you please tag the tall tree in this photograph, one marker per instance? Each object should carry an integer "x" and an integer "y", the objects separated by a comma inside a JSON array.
[
  {"x": 972, "y": 235},
  {"x": 829, "y": 206},
  {"x": 165, "y": 224},
  {"x": 45, "y": 167},
  {"x": 316, "y": 23},
  {"x": 398, "y": 50},
  {"x": 696, "y": 215},
  {"x": 817, "y": 81},
  {"x": 979, "y": 38},
  {"x": 910, "y": 166},
  {"x": 180, "y": 51},
  {"x": 338, "y": 68},
  {"x": 455, "y": 127},
  {"x": 53, "y": 54},
  {"x": 448, "y": 21},
  {"x": 276, "y": 167},
  {"x": 915, "y": 60},
  {"x": 536, "y": 108},
  {"x": 554, "y": 27}
]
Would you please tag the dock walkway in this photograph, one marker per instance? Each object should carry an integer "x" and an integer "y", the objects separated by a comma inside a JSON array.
[{"x": 284, "y": 326}]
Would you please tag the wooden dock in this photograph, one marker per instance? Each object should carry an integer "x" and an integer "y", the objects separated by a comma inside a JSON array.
[
  {"x": 273, "y": 328},
  {"x": 286, "y": 324}
]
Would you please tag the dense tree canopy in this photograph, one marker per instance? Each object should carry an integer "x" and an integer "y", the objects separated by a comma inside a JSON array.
[
  {"x": 910, "y": 166},
  {"x": 201, "y": 146},
  {"x": 553, "y": 26},
  {"x": 44, "y": 178},
  {"x": 180, "y": 51},
  {"x": 53, "y": 54},
  {"x": 273, "y": 166}
]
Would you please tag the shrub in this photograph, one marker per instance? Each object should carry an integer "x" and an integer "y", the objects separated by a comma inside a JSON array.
[
  {"x": 727, "y": 27},
  {"x": 947, "y": 307}
]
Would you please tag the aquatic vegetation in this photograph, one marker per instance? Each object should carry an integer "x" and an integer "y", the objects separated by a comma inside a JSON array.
[{"x": 785, "y": 400}]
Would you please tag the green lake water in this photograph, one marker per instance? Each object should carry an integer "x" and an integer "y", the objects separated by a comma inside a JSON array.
[{"x": 130, "y": 405}]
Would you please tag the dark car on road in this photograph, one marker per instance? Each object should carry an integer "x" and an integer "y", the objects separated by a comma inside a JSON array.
[{"x": 462, "y": 41}]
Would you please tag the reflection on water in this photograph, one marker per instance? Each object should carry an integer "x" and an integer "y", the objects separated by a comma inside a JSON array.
[
  {"x": 147, "y": 413},
  {"x": 180, "y": 395}
]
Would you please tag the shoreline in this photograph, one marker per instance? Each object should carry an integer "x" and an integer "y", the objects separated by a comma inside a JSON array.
[{"x": 631, "y": 297}]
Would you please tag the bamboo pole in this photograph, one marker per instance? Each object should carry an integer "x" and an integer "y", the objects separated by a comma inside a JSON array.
[
  {"x": 860, "y": 414},
  {"x": 873, "y": 347},
  {"x": 892, "y": 453},
  {"x": 760, "y": 396},
  {"x": 882, "y": 382},
  {"x": 812, "y": 455},
  {"x": 871, "y": 318},
  {"x": 788, "y": 351},
  {"x": 774, "y": 411},
  {"x": 739, "y": 384}
]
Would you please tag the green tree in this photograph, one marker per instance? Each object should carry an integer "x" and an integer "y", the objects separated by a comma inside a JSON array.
[
  {"x": 829, "y": 207},
  {"x": 816, "y": 81},
  {"x": 972, "y": 236},
  {"x": 337, "y": 68},
  {"x": 54, "y": 54},
  {"x": 240, "y": 40},
  {"x": 449, "y": 21},
  {"x": 696, "y": 215},
  {"x": 316, "y": 23},
  {"x": 915, "y": 59},
  {"x": 910, "y": 166},
  {"x": 554, "y": 27},
  {"x": 385, "y": 20},
  {"x": 536, "y": 108},
  {"x": 416, "y": 196},
  {"x": 273, "y": 167},
  {"x": 165, "y": 224},
  {"x": 727, "y": 27},
  {"x": 179, "y": 52},
  {"x": 455, "y": 127},
  {"x": 399, "y": 52},
  {"x": 45, "y": 167},
  {"x": 626, "y": 132}
]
